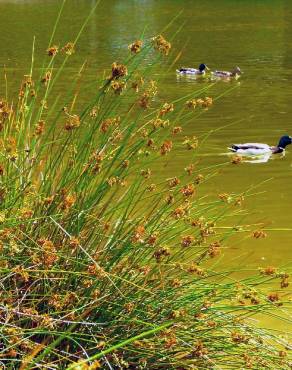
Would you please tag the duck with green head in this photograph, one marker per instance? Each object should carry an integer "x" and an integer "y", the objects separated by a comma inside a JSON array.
[{"x": 193, "y": 71}]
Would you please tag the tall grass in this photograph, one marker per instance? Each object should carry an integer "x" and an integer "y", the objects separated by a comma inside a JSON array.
[{"x": 102, "y": 265}]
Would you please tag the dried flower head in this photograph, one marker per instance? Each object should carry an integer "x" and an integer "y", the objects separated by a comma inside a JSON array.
[
  {"x": 166, "y": 108},
  {"x": 269, "y": 270},
  {"x": 48, "y": 200},
  {"x": 68, "y": 48},
  {"x": 46, "y": 78},
  {"x": 149, "y": 93},
  {"x": 190, "y": 169},
  {"x": 214, "y": 249},
  {"x": 21, "y": 273},
  {"x": 74, "y": 243},
  {"x": 39, "y": 128},
  {"x": 284, "y": 281},
  {"x": 188, "y": 190},
  {"x": 166, "y": 147},
  {"x": 151, "y": 187},
  {"x": 109, "y": 122},
  {"x": 118, "y": 70},
  {"x": 146, "y": 173},
  {"x": 138, "y": 235},
  {"x": 136, "y": 46},
  {"x": 159, "y": 123},
  {"x": 191, "y": 103},
  {"x": 118, "y": 87},
  {"x": 161, "y": 45},
  {"x": 273, "y": 297},
  {"x": 187, "y": 241},
  {"x": 195, "y": 269},
  {"x": 27, "y": 81},
  {"x": 151, "y": 240},
  {"x": 68, "y": 202},
  {"x": 239, "y": 338},
  {"x": 177, "y": 130},
  {"x": 137, "y": 84},
  {"x": 207, "y": 102},
  {"x": 200, "y": 350},
  {"x": 259, "y": 234},
  {"x": 236, "y": 159},
  {"x": 44, "y": 104},
  {"x": 72, "y": 122},
  {"x": 52, "y": 50},
  {"x": 173, "y": 182},
  {"x": 26, "y": 213},
  {"x": 199, "y": 178},
  {"x": 169, "y": 199},
  {"x": 144, "y": 100},
  {"x": 238, "y": 201},
  {"x": 179, "y": 212},
  {"x": 93, "y": 112},
  {"x": 160, "y": 253},
  {"x": 225, "y": 197},
  {"x": 191, "y": 142}
]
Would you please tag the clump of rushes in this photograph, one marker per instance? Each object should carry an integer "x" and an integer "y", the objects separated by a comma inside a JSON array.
[{"x": 104, "y": 266}]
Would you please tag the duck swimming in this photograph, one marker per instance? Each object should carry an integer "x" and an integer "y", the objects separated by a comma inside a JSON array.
[
  {"x": 193, "y": 71},
  {"x": 253, "y": 149},
  {"x": 235, "y": 73}
]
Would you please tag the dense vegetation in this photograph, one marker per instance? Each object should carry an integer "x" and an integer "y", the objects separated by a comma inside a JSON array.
[{"x": 102, "y": 266}]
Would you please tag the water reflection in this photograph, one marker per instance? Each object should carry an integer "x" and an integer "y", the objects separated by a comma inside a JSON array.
[{"x": 259, "y": 159}]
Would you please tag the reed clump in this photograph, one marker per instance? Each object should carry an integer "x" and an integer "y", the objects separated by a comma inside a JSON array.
[{"x": 103, "y": 265}]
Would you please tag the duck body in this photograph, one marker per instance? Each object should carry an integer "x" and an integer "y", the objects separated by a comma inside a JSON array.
[
  {"x": 193, "y": 71},
  {"x": 255, "y": 149},
  {"x": 225, "y": 74},
  {"x": 252, "y": 149}
]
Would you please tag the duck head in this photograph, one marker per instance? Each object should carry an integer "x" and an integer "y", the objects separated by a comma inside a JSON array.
[
  {"x": 236, "y": 71},
  {"x": 284, "y": 141},
  {"x": 202, "y": 67}
]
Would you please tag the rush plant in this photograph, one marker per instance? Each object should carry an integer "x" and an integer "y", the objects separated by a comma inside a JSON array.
[{"x": 103, "y": 263}]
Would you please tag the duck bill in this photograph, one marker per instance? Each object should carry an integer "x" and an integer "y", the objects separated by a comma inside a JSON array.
[{"x": 207, "y": 68}]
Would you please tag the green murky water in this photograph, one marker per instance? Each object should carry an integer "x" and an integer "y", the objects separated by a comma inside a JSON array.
[{"x": 256, "y": 35}]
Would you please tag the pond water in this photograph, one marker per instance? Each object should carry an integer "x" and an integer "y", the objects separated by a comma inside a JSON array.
[{"x": 255, "y": 35}]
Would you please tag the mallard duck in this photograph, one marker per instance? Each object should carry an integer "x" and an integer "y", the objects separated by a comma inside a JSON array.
[
  {"x": 235, "y": 73},
  {"x": 193, "y": 71},
  {"x": 252, "y": 149}
]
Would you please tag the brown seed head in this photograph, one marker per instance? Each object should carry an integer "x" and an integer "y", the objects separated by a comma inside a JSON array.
[
  {"x": 46, "y": 78},
  {"x": 118, "y": 87},
  {"x": 177, "y": 130},
  {"x": 188, "y": 190},
  {"x": 273, "y": 297},
  {"x": 136, "y": 46},
  {"x": 214, "y": 249},
  {"x": 166, "y": 108},
  {"x": 72, "y": 122},
  {"x": 68, "y": 48},
  {"x": 138, "y": 235},
  {"x": 161, "y": 45},
  {"x": 173, "y": 182},
  {"x": 53, "y": 50},
  {"x": 269, "y": 270},
  {"x": 118, "y": 70},
  {"x": 236, "y": 159},
  {"x": 166, "y": 147},
  {"x": 39, "y": 128},
  {"x": 259, "y": 234},
  {"x": 187, "y": 241}
]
